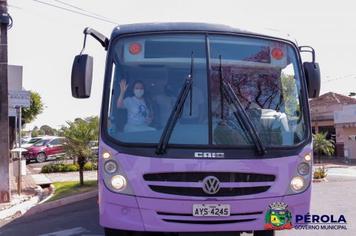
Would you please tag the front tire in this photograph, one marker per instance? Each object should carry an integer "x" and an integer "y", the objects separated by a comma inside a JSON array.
[
  {"x": 115, "y": 232},
  {"x": 41, "y": 157},
  {"x": 264, "y": 233}
]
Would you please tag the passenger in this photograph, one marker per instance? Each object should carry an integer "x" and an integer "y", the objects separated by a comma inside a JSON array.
[
  {"x": 165, "y": 100},
  {"x": 139, "y": 114}
]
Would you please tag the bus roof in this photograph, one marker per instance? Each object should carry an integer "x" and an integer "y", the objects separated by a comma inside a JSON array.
[{"x": 192, "y": 26}]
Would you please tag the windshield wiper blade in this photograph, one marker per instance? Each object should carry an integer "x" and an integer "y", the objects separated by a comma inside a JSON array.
[
  {"x": 240, "y": 113},
  {"x": 177, "y": 110}
]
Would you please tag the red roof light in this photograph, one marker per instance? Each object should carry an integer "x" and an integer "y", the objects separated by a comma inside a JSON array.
[
  {"x": 135, "y": 48},
  {"x": 277, "y": 53}
]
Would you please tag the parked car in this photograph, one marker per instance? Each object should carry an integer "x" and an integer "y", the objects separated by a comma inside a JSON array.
[
  {"x": 31, "y": 142},
  {"x": 48, "y": 148}
]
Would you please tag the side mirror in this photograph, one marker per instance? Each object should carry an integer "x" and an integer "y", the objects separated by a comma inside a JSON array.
[
  {"x": 82, "y": 75},
  {"x": 312, "y": 73}
]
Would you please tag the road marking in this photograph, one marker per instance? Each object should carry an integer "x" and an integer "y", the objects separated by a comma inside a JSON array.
[{"x": 67, "y": 232}]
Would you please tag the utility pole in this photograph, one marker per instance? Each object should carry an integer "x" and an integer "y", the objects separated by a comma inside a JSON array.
[{"x": 4, "y": 108}]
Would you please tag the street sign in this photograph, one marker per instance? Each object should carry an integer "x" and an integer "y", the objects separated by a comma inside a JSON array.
[
  {"x": 12, "y": 111},
  {"x": 20, "y": 98}
]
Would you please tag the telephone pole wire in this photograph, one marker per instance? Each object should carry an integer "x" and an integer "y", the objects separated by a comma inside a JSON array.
[{"x": 4, "y": 108}]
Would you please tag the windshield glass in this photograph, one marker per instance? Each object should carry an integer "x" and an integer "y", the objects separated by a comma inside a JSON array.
[
  {"x": 149, "y": 71},
  {"x": 40, "y": 143},
  {"x": 34, "y": 140},
  {"x": 264, "y": 77},
  {"x": 148, "y": 74}
]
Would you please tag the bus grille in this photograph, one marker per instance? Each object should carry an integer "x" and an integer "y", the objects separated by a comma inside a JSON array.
[
  {"x": 167, "y": 183},
  {"x": 187, "y": 218},
  {"x": 208, "y": 222},
  {"x": 199, "y": 176}
]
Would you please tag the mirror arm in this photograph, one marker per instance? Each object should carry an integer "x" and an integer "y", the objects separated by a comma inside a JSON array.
[
  {"x": 308, "y": 49},
  {"x": 104, "y": 41}
]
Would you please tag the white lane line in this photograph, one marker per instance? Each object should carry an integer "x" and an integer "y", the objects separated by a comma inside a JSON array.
[{"x": 66, "y": 232}]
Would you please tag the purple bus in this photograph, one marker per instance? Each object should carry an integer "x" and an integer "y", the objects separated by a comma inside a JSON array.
[{"x": 204, "y": 128}]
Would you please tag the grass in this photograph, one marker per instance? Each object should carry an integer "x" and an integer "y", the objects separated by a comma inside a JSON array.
[{"x": 65, "y": 189}]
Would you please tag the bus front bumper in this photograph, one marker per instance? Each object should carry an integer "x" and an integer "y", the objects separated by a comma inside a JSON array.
[{"x": 126, "y": 212}]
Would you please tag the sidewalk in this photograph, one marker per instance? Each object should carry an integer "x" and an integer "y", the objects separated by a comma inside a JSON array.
[
  {"x": 334, "y": 162},
  {"x": 31, "y": 193},
  {"x": 30, "y": 196}
]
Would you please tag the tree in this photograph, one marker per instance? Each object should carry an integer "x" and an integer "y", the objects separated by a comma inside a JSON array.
[
  {"x": 78, "y": 134},
  {"x": 36, "y": 108},
  {"x": 290, "y": 94},
  {"x": 322, "y": 146},
  {"x": 47, "y": 130}
]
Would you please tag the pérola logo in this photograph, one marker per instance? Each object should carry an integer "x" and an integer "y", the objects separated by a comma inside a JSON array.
[{"x": 209, "y": 154}]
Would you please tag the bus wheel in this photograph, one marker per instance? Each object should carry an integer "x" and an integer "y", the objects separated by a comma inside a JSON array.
[
  {"x": 264, "y": 233},
  {"x": 117, "y": 232}
]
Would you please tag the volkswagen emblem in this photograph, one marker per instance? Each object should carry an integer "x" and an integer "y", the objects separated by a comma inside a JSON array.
[{"x": 211, "y": 185}]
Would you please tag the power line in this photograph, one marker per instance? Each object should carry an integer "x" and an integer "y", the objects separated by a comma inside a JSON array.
[
  {"x": 350, "y": 76},
  {"x": 76, "y": 12},
  {"x": 81, "y": 9}
]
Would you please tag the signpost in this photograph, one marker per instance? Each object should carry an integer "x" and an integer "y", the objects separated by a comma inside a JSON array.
[
  {"x": 20, "y": 98},
  {"x": 17, "y": 100}
]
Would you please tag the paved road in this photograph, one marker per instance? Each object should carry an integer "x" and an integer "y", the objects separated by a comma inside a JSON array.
[
  {"x": 76, "y": 219},
  {"x": 334, "y": 197}
]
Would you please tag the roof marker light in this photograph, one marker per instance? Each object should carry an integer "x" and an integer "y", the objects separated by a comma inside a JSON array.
[
  {"x": 277, "y": 53},
  {"x": 135, "y": 48}
]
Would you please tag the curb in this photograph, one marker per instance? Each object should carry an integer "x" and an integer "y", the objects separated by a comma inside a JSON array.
[
  {"x": 61, "y": 202},
  {"x": 23, "y": 207},
  {"x": 320, "y": 180},
  {"x": 52, "y": 190}
]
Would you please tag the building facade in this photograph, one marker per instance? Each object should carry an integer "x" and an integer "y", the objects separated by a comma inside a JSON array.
[{"x": 328, "y": 112}]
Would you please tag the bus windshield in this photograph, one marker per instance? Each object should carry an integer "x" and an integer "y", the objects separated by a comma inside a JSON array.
[{"x": 148, "y": 73}]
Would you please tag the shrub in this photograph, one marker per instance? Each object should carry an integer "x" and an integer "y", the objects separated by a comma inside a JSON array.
[
  {"x": 320, "y": 173},
  {"x": 59, "y": 167},
  {"x": 90, "y": 166},
  {"x": 71, "y": 167},
  {"x": 47, "y": 168}
]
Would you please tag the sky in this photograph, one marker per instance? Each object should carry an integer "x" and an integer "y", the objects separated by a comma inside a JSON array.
[{"x": 44, "y": 39}]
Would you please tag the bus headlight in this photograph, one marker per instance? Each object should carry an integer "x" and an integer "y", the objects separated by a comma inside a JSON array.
[
  {"x": 303, "y": 168},
  {"x": 308, "y": 157},
  {"x": 297, "y": 183},
  {"x": 106, "y": 155},
  {"x": 110, "y": 167},
  {"x": 118, "y": 182}
]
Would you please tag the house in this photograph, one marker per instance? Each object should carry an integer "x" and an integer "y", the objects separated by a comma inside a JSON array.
[{"x": 327, "y": 111}]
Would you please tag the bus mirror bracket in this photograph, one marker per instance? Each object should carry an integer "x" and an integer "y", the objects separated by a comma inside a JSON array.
[
  {"x": 104, "y": 41},
  {"x": 312, "y": 73}
]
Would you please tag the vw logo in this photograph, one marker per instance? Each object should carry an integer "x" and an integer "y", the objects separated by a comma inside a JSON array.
[{"x": 211, "y": 185}]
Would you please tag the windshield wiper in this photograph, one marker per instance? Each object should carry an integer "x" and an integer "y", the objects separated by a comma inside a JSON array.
[
  {"x": 239, "y": 112},
  {"x": 177, "y": 110}
]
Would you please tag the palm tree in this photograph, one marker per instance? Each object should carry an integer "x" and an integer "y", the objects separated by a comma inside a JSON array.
[
  {"x": 322, "y": 146},
  {"x": 78, "y": 134}
]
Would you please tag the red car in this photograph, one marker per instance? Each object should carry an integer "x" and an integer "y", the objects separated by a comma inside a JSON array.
[{"x": 45, "y": 149}]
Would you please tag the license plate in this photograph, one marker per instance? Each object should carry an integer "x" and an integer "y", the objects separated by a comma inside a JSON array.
[{"x": 211, "y": 210}]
